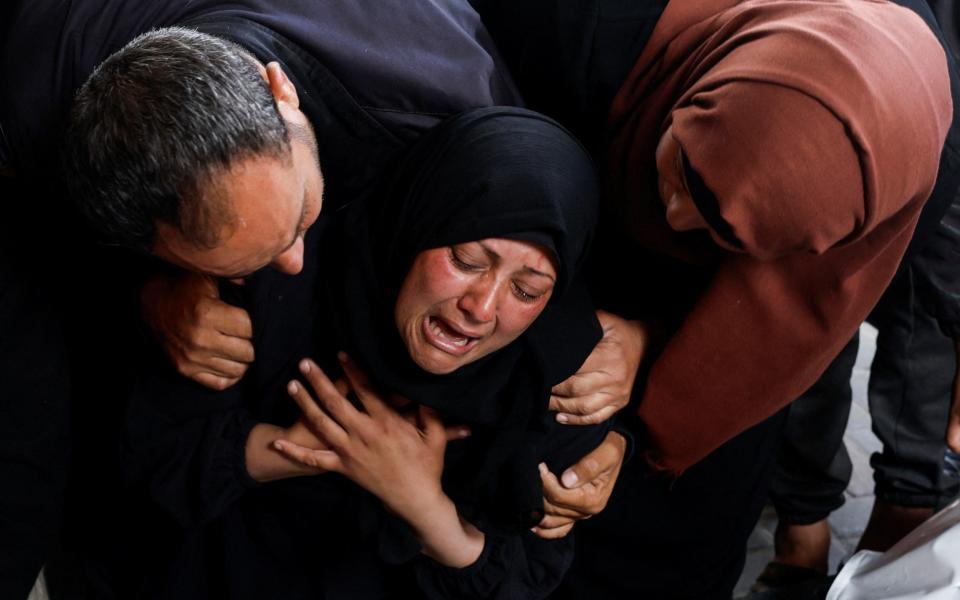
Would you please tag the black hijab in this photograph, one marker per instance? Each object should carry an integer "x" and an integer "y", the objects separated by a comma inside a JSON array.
[{"x": 492, "y": 172}]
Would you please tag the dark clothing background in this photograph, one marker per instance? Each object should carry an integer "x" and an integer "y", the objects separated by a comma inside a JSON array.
[
  {"x": 569, "y": 58},
  {"x": 683, "y": 539},
  {"x": 372, "y": 77},
  {"x": 33, "y": 420}
]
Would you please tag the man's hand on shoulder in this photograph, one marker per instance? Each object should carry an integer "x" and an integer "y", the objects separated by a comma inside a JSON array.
[
  {"x": 208, "y": 340},
  {"x": 604, "y": 383}
]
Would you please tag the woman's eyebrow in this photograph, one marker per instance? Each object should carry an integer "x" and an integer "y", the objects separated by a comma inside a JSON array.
[
  {"x": 533, "y": 271},
  {"x": 491, "y": 253},
  {"x": 494, "y": 256}
]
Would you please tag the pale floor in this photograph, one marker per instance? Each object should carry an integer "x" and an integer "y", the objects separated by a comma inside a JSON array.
[{"x": 847, "y": 523}]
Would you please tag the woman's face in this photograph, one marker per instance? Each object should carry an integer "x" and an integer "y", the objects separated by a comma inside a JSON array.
[
  {"x": 682, "y": 211},
  {"x": 462, "y": 302}
]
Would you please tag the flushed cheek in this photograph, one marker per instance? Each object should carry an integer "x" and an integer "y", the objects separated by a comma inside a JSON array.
[
  {"x": 439, "y": 280},
  {"x": 512, "y": 322}
]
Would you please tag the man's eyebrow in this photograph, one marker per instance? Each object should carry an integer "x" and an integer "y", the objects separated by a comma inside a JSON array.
[
  {"x": 492, "y": 254},
  {"x": 299, "y": 225},
  {"x": 297, "y": 228}
]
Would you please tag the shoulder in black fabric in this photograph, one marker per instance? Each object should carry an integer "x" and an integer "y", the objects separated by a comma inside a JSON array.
[{"x": 355, "y": 149}]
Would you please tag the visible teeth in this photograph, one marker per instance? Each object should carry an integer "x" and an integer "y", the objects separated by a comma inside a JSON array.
[{"x": 441, "y": 332}]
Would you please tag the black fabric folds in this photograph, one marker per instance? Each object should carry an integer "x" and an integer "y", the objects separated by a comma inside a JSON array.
[{"x": 496, "y": 172}]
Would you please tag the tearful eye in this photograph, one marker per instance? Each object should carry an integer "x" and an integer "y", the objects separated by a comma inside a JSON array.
[
  {"x": 461, "y": 262},
  {"x": 524, "y": 295}
]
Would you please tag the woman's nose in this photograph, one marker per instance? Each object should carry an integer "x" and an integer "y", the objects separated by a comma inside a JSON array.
[
  {"x": 480, "y": 301},
  {"x": 290, "y": 261}
]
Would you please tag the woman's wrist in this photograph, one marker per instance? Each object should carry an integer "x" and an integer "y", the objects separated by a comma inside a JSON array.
[{"x": 444, "y": 535}]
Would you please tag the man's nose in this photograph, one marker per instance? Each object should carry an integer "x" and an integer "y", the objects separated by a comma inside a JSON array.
[{"x": 290, "y": 261}]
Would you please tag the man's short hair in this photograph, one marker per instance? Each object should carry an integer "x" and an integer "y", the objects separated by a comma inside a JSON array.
[{"x": 154, "y": 123}]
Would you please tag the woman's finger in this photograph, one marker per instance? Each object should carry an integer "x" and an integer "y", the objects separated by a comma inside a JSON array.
[
  {"x": 457, "y": 432},
  {"x": 319, "y": 459},
  {"x": 335, "y": 403},
  {"x": 432, "y": 426},
  {"x": 363, "y": 387},
  {"x": 319, "y": 421},
  {"x": 343, "y": 386}
]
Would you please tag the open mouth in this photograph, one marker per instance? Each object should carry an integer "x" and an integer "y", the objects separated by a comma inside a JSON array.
[{"x": 443, "y": 335}]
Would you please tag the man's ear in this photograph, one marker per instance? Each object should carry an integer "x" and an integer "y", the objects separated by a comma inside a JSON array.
[{"x": 280, "y": 85}]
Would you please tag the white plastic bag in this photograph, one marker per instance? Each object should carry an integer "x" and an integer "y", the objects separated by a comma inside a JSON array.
[{"x": 925, "y": 564}]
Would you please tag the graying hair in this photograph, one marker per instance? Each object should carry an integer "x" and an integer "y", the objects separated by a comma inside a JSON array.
[{"x": 154, "y": 123}]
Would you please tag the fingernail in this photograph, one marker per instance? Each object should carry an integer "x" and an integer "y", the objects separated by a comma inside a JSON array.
[
  {"x": 534, "y": 529},
  {"x": 569, "y": 479},
  {"x": 562, "y": 418},
  {"x": 342, "y": 357},
  {"x": 463, "y": 433},
  {"x": 305, "y": 365},
  {"x": 543, "y": 468},
  {"x": 277, "y": 445},
  {"x": 292, "y": 387}
]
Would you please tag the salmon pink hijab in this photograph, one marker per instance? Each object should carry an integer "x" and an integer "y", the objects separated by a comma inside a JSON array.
[{"x": 817, "y": 125}]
